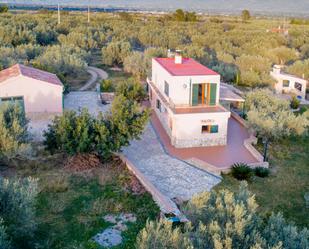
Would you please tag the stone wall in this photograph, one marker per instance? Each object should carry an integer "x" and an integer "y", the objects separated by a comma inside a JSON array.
[{"x": 182, "y": 143}]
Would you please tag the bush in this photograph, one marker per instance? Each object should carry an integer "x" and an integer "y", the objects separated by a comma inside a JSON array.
[
  {"x": 294, "y": 104},
  {"x": 13, "y": 131},
  {"x": 261, "y": 172},
  {"x": 17, "y": 211},
  {"x": 241, "y": 171},
  {"x": 106, "y": 86},
  {"x": 132, "y": 90}
]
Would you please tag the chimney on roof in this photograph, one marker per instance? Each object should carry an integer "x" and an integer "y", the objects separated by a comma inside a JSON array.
[
  {"x": 277, "y": 69},
  {"x": 178, "y": 57}
]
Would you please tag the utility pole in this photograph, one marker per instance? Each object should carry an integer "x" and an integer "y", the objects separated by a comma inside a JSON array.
[
  {"x": 59, "y": 20},
  {"x": 88, "y": 13}
]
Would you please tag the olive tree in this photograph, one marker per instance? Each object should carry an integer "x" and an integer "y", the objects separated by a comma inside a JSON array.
[
  {"x": 271, "y": 117},
  {"x": 115, "y": 52},
  {"x": 77, "y": 133},
  {"x": 245, "y": 15},
  {"x": 62, "y": 60},
  {"x": 13, "y": 131},
  {"x": 17, "y": 211},
  {"x": 224, "y": 219}
]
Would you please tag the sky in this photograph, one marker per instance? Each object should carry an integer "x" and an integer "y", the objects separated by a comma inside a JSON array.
[{"x": 276, "y": 6}]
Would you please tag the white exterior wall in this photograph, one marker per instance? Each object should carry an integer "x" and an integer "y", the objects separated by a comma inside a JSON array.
[
  {"x": 179, "y": 86},
  {"x": 39, "y": 96},
  {"x": 187, "y": 129},
  {"x": 279, "y": 88}
]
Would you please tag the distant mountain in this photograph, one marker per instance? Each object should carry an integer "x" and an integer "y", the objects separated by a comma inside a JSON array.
[{"x": 223, "y": 6}]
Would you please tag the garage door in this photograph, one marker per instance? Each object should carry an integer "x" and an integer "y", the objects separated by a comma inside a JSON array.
[{"x": 14, "y": 100}]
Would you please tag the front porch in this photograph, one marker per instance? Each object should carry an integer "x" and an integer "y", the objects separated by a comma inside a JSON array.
[{"x": 220, "y": 158}]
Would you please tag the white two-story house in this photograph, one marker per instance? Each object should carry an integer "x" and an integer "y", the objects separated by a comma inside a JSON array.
[{"x": 185, "y": 97}]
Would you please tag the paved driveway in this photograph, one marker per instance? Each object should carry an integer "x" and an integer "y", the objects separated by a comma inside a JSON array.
[
  {"x": 84, "y": 99},
  {"x": 173, "y": 177}
]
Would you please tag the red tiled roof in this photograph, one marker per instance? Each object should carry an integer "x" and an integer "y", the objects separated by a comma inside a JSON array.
[
  {"x": 188, "y": 67},
  {"x": 19, "y": 69}
]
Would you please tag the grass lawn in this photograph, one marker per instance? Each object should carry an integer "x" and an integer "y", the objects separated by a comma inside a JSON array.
[
  {"x": 70, "y": 206},
  {"x": 284, "y": 190}
]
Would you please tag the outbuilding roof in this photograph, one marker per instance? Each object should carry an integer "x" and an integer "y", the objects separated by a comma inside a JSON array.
[
  {"x": 188, "y": 67},
  {"x": 19, "y": 69}
]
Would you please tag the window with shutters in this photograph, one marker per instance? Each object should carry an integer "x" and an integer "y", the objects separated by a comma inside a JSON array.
[
  {"x": 204, "y": 94},
  {"x": 166, "y": 89},
  {"x": 210, "y": 128},
  {"x": 158, "y": 104}
]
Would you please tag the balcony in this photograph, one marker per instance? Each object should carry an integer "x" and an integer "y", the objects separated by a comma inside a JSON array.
[{"x": 184, "y": 109}]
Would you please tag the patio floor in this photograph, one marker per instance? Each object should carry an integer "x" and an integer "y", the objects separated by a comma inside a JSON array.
[{"x": 219, "y": 156}]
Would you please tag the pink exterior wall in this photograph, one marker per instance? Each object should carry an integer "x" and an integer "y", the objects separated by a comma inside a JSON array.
[{"x": 39, "y": 96}]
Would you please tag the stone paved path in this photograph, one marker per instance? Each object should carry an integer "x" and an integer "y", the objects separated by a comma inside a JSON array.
[{"x": 173, "y": 177}]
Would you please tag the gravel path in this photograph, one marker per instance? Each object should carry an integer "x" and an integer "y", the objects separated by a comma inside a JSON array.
[
  {"x": 85, "y": 99},
  {"x": 95, "y": 74},
  {"x": 173, "y": 177}
]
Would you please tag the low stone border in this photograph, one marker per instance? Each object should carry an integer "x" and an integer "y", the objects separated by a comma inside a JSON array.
[
  {"x": 167, "y": 206},
  {"x": 248, "y": 143}
]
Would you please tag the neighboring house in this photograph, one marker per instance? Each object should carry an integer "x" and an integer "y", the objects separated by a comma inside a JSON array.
[
  {"x": 288, "y": 84},
  {"x": 185, "y": 97},
  {"x": 36, "y": 90}
]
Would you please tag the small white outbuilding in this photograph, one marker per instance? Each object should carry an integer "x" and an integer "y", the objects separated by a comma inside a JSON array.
[
  {"x": 287, "y": 83},
  {"x": 36, "y": 90}
]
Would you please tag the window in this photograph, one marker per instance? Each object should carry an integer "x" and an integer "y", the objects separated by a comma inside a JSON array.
[
  {"x": 204, "y": 94},
  {"x": 285, "y": 83},
  {"x": 210, "y": 128},
  {"x": 298, "y": 86},
  {"x": 166, "y": 88},
  {"x": 158, "y": 104}
]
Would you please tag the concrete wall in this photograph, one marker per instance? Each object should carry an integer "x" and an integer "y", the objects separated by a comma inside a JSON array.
[
  {"x": 180, "y": 87},
  {"x": 38, "y": 96}
]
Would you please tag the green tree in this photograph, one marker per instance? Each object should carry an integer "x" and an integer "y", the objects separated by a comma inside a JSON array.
[
  {"x": 132, "y": 90},
  {"x": 17, "y": 210},
  {"x": 136, "y": 64},
  {"x": 5, "y": 243},
  {"x": 271, "y": 117},
  {"x": 223, "y": 219},
  {"x": 65, "y": 60},
  {"x": 299, "y": 68},
  {"x": 162, "y": 235},
  {"x": 71, "y": 133},
  {"x": 182, "y": 16},
  {"x": 4, "y": 8},
  {"x": 76, "y": 133},
  {"x": 115, "y": 52},
  {"x": 245, "y": 15},
  {"x": 13, "y": 131}
]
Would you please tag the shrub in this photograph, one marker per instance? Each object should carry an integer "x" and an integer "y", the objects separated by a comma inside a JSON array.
[
  {"x": 224, "y": 219},
  {"x": 294, "y": 104},
  {"x": 17, "y": 210},
  {"x": 241, "y": 171},
  {"x": 13, "y": 131},
  {"x": 261, "y": 172},
  {"x": 106, "y": 86},
  {"x": 132, "y": 90}
]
